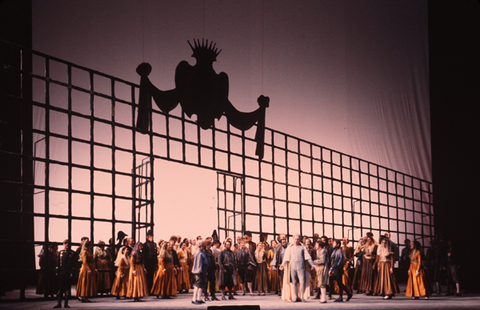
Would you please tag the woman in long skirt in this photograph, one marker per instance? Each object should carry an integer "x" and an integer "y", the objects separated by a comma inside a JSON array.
[
  {"x": 46, "y": 277},
  {"x": 183, "y": 278},
  {"x": 273, "y": 272},
  {"x": 261, "y": 273},
  {"x": 120, "y": 284},
  {"x": 165, "y": 282},
  {"x": 137, "y": 282},
  {"x": 386, "y": 284},
  {"x": 367, "y": 281},
  {"x": 417, "y": 284},
  {"x": 103, "y": 260},
  {"x": 87, "y": 282}
]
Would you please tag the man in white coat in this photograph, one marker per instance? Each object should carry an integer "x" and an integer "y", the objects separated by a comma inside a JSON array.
[{"x": 296, "y": 255}]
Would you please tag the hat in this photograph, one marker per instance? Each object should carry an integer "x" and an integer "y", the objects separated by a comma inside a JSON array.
[{"x": 121, "y": 235}]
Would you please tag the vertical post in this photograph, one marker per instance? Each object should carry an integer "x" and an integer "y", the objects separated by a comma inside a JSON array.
[
  {"x": 273, "y": 184},
  {"x": 134, "y": 165},
  {"x": 69, "y": 167},
  {"x": 47, "y": 148},
  {"x": 300, "y": 205},
  {"x": 112, "y": 115},
  {"x": 92, "y": 156}
]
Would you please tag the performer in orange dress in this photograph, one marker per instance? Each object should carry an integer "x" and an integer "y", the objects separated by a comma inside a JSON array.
[
  {"x": 103, "y": 260},
  {"x": 137, "y": 282},
  {"x": 367, "y": 281},
  {"x": 417, "y": 284},
  {"x": 386, "y": 284},
  {"x": 183, "y": 277},
  {"x": 165, "y": 282},
  {"x": 120, "y": 284},
  {"x": 87, "y": 282}
]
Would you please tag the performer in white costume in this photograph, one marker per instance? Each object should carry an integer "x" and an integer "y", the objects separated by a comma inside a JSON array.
[{"x": 296, "y": 281}]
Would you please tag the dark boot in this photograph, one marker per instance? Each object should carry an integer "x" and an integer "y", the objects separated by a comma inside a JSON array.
[
  {"x": 59, "y": 302},
  {"x": 318, "y": 294}
]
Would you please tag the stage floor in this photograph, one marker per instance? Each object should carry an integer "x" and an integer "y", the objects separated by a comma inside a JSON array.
[{"x": 270, "y": 301}]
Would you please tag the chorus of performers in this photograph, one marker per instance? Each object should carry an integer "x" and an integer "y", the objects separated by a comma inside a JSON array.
[{"x": 303, "y": 268}]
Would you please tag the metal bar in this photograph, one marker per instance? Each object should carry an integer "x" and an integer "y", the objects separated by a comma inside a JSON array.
[
  {"x": 134, "y": 164},
  {"x": 70, "y": 161},
  {"x": 114, "y": 168},
  {"x": 273, "y": 185},
  {"x": 300, "y": 203},
  {"x": 92, "y": 157},
  {"x": 47, "y": 149},
  {"x": 286, "y": 183}
]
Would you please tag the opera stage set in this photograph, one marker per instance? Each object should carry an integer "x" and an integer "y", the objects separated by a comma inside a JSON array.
[{"x": 326, "y": 118}]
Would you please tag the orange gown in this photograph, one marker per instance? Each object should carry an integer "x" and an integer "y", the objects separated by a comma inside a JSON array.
[
  {"x": 165, "y": 281},
  {"x": 274, "y": 280},
  {"x": 137, "y": 284},
  {"x": 87, "y": 282},
  {"x": 103, "y": 261},
  {"x": 417, "y": 285},
  {"x": 385, "y": 284},
  {"x": 183, "y": 278},
  {"x": 120, "y": 285}
]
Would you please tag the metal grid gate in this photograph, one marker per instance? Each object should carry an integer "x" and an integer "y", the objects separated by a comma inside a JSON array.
[{"x": 298, "y": 187}]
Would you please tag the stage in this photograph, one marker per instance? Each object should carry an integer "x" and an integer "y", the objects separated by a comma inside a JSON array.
[{"x": 270, "y": 301}]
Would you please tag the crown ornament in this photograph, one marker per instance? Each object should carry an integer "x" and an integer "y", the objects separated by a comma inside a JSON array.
[{"x": 203, "y": 50}]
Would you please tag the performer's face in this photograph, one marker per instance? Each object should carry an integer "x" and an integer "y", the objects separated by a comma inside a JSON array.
[{"x": 296, "y": 240}]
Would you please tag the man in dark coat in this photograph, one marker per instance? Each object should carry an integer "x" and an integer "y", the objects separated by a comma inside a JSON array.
[
  {"x": 336, "y": 270},
  {"x": 66, "y": 264},
  {"x": 150, "y": 255}
]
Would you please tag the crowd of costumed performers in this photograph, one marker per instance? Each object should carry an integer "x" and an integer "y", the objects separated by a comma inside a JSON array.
[{"x": 213, "y": 270}]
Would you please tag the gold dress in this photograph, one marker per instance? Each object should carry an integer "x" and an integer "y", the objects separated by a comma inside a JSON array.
[
  {"x": 102, "y": 262},
  {"x": 261, "y": 273},
  {"x": 386, "y": 284},
  {"x": 183, "y": 278},
  {"x": 417, "y": 285},
  {"x": 165, "y": 282},
  {"x": 137, "y": 284},
  {"x": 273, "y": 274},
  {"x": 367, "y": 281},
  {"x": 120, "y": 284},
  {"x": 87, "y": 282}
]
